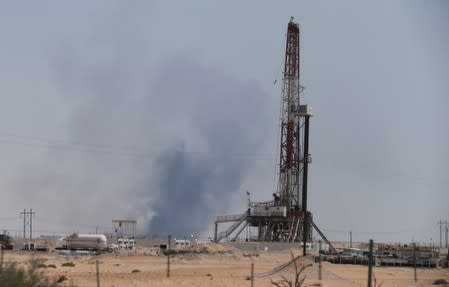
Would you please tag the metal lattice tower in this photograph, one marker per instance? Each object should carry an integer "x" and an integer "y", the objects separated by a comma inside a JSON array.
[
  {"x": 285, "y": 218},
  {"x": 289, "y": 163}
]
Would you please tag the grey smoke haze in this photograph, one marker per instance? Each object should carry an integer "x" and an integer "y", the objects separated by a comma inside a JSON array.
[
  {"x": 164, "y": 143},
  {"x": 113, "y": 109},
  {"x": 179, "y": 141},
  {"x": 227, "y": 121}
]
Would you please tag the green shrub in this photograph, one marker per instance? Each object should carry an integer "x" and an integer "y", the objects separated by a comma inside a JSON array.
[
  {"x": 68, "y": 264},
  {"x": 135, "y": 271},
  {"x": 51, "y": 266}
]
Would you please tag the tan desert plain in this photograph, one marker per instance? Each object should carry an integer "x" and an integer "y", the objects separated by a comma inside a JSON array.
[{"x": 213, "y": 265}]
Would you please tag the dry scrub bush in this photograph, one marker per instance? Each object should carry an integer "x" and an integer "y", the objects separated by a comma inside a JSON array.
[
  {"x": 297, "y": 281},
  {"x": 61, "y": 278},
  {"x": 440, "y": 282},
  {"x": 12, "y": 275},
  {"x": 68, "y": 264}
]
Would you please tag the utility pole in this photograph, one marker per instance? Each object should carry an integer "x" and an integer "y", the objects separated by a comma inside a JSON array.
[
  {"x": 446, "y": 232},
  {"x": 31, "y": 223},
  {"x": 24, "y": 222},
  {"x": 28, "y": 221},
  {"x": 441, "y": 222},
  {"x": 444, "y": 226},
  {"x": 350, "y": 239}
]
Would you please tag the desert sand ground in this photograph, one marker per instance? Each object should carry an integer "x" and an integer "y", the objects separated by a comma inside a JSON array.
[{"x": 214, "y": 268}]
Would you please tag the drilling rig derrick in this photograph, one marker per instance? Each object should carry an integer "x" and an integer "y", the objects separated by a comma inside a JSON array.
[{"x": 286, "y": 217}]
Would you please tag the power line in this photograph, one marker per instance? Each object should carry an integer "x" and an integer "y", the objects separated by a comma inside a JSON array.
[
  {"x": 367, "y": 232},
  {"x": 84, "y": 149},
  {"x": 8, "y": 218},
  {"x": 133, "y": 152}
]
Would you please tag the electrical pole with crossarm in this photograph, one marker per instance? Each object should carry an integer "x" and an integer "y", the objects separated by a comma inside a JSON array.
[{"x": 28, "y": 221}]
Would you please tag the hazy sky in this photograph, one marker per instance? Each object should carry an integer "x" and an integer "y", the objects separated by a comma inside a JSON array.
[{"x": 167, "y": 112}]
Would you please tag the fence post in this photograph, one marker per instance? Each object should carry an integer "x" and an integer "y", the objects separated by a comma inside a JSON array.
[
  {"x": 252, "y": 274},
  {"x": 370, "y": 263},
  {"x": 168, "y": 256},
  {"x": 98, "y": 272},
  {"x": 414, "y": 260},
  {"x": 1, "y": 258},
  {"x": 319, "y": 261}
]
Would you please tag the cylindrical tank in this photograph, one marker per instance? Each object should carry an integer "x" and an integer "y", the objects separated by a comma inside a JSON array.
[{"x": 86, "y": 241}]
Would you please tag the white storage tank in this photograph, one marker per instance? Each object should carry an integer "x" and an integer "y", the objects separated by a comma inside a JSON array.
[{"x": 86, "y": 241}]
